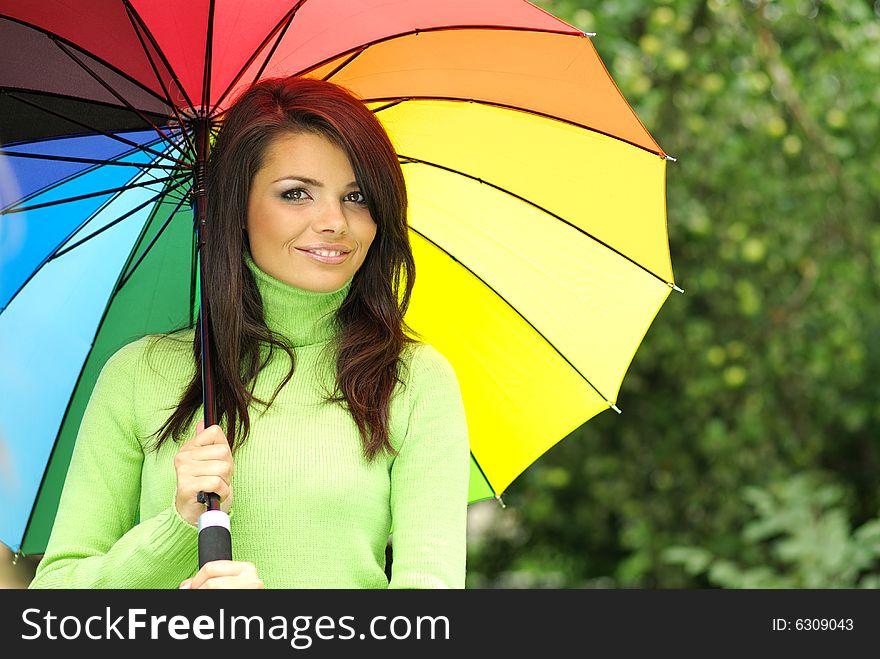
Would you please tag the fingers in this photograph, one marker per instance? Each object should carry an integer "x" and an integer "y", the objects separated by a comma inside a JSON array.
[
  {"x": 225, "y": 574},
  {"x": 203, "y": 464},
  {"x": 198, "y": 467},
  {"x": 210, "y": 453},
  {"x": 210, "y": 484},
  {"x": 207, "y": 436},
  {"x": 218, "y": 583},
  {"x": 189, "y": 469},
  {"x": 201, "y": 453}
]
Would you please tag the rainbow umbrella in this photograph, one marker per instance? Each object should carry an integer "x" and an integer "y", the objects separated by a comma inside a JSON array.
[{"x": 537, "y": 204}]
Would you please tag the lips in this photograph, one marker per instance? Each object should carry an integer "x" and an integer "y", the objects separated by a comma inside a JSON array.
[
  {"x": 325, "y": 259},
  {"x": 327, "y": 247}
]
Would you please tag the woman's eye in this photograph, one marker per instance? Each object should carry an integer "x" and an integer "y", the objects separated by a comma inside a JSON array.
[
  {"x": 297, "y": 194},
  {"x": 362, "y": 200}
]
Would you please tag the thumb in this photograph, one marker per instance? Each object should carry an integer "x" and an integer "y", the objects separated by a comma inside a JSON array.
[{"x": 185, "y": 585}]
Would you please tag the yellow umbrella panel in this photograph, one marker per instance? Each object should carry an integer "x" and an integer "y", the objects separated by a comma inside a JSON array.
[{"x": 542, "y": 259}]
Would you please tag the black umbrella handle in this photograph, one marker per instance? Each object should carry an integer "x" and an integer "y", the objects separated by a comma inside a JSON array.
[{"x": 215, "y": 542}]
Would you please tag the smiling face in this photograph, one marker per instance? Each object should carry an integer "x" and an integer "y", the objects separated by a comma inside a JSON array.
[{"x": 304, "y": 206}]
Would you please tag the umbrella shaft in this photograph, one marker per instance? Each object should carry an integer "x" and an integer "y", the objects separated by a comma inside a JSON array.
[{"x": 200, "y": 214}]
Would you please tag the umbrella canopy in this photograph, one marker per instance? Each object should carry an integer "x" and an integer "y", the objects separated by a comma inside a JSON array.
[{"x": 537, "y": 204}]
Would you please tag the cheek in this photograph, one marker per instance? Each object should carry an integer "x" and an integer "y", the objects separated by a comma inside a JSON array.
[
  {"x": 253, "y": 215},
  {"x": 367, "y": 244},
  {"x": 267, "y": 219},
  {"x": 365, "y": 238}
]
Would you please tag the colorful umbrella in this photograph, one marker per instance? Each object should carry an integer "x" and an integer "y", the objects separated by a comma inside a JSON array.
[{"x": 537, "y": 204}]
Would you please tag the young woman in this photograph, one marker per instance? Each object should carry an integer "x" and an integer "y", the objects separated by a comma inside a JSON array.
[{"x": 335, "y": 428}]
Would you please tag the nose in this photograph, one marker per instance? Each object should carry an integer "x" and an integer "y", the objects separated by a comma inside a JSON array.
[{"x": 331, "y": 217}]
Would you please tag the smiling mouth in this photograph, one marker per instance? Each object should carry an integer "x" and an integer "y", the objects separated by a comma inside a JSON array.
[{"x": 327, "y": 256}]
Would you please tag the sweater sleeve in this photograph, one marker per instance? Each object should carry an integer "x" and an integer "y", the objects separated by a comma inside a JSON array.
[
  {"x": 93, "y": 543},
  {"x": 429, "y": 480}
]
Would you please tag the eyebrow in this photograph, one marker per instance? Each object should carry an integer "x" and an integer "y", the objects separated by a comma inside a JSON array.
[{"x": 309, "y": 181}]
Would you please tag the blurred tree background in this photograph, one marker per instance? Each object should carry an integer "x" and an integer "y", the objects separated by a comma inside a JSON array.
[{"x": 747, "y": 453}]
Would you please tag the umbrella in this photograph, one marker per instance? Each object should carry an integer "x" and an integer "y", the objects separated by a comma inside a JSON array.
[{"x": 537, "y": 204}]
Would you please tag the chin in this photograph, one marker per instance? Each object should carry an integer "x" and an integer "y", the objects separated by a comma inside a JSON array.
[{"x": 325, "y": 285}]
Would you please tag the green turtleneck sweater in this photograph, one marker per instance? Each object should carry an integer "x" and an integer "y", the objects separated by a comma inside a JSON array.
[{"x": 309, "y": 511}]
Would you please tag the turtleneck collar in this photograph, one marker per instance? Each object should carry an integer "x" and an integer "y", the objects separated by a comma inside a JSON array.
[{"x": 302, "y": 316}]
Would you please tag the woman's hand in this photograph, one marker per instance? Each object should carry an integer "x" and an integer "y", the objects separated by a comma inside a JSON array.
[
  {"x": 203, "y": 464},
  {"x": 225, "y": 574}
]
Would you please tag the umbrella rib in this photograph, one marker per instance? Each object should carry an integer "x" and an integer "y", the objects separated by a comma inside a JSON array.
[
  {"x": 84, "y": 172},
  {"x": 176, "y": 197},
  {"x": 55, "y": 254},
  {"x": 209, "y": 53},
  {"x": 119, "y": 96},
  {"x": 93, "y": 129},
  {"x": 286, "y": 21},
  {"x": 486, "y": 478},
  {"x": 125, "y": 280},
  {"x": 149, "y": 35},
  {"x": 442, "y": 28},
  {"x": 408, "y": 159},
  {"x": 90, "y": 161},
  {"x": 517, "y": 312},
  {"x": 161, "y": 82},
  {"x": 394, "y": 100},
  {"x": 120, "y": 72},
  {"x": 177, "y": 173},
  {"x": 388, "y": 105},
  {"x": 348, "y": 61},
  {"x": 59, "y": 253},
  {"x": 55, "y": 202}
]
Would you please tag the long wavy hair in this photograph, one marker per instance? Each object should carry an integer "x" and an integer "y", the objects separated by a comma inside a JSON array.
[{"x": 371, "y": 330}]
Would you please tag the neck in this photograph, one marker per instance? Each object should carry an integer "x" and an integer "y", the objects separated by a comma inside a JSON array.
[{"x": 302, "y": 316}]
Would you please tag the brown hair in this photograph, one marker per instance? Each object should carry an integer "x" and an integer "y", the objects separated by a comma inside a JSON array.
[{"x": 370, "y": 320}]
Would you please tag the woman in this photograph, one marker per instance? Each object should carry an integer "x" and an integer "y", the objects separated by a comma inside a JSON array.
[{"x": 335, "y": 428}]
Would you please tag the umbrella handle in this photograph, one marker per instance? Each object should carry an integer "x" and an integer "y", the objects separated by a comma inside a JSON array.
[{"x": 215, "y": 541}]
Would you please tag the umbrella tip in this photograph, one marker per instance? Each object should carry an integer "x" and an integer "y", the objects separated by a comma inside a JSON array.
[
  {"x": 676, "y": 288},
  {"x": 668, "y": 157},
  {"x": 589, "y": 34},
  {"x": 614, "y": 407},
  {"x": 500, "y": 500}
]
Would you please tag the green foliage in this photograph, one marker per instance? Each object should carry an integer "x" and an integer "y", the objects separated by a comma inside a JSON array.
[
  {"x": 800, "y": 538},
  {"x": 768, "y": 365}
]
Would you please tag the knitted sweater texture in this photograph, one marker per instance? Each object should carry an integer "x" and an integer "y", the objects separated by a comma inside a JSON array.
[{"x": 309, "y": 510}]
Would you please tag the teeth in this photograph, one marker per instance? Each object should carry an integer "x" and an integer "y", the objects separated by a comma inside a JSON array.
[{"x": 324, "y": 252}]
